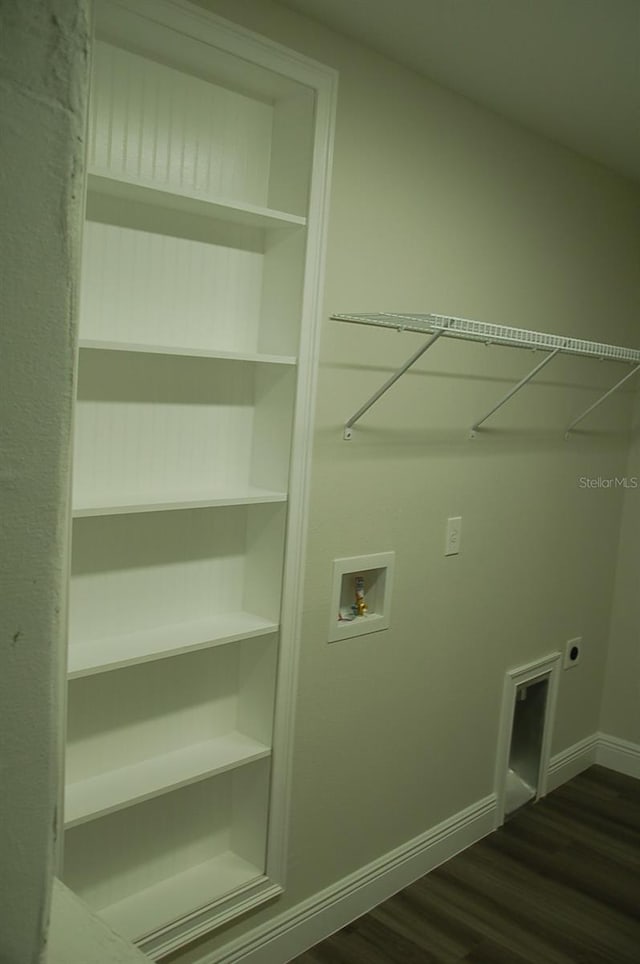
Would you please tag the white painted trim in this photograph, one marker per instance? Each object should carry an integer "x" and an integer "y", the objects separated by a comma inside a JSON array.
[
  {"x": 572, "y": 761},
  {"x": 325, "y": 82},
  {"x": 549, "y": 667},
  {"x": 186, "y": 17},
  {"x": 176, "y": 936},
  {"x": 294, "y": 931},
  {"x": 601, "y": 748},
  {"x": 619, "y": 755}
]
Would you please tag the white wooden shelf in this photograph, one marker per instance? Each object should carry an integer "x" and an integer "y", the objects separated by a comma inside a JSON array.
[
  {"x": 159, "y": 196},
  {"x": 144, "y": 912},
  {"x": 102, "y": 655},
  {"x": 259, "y": 358},
  {"x": 124, "y": 506},
  {"x": 103, "y": 794}
]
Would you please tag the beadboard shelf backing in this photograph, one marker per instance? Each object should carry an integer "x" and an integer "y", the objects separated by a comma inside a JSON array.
[
  {"x": 151, "y": 414},
  {"x": 206, "y": 205},
  {"x": 188, "y": 134},
  {"x": 131, "y": 575},
  {"x": 219, "y": 288}
]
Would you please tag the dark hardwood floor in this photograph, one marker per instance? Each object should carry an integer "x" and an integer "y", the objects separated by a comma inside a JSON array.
[{"x": 559, "y": 883}]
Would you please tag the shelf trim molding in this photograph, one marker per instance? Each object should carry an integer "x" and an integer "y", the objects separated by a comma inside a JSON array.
[
  {"x": 252, "y": 888},
  {"x": 489, "y": 334},
  {"x": 236, "y": 902}
]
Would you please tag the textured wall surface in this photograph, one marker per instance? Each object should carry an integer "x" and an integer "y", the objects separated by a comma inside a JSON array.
[{"x": 43, "y": 83}]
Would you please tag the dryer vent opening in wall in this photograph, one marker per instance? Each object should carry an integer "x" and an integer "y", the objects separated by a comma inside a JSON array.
[
  {"x": 525, "y": 734},
  {"x": 526, "y": 744}
]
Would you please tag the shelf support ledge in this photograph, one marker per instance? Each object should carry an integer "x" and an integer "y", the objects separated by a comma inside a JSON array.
[
  {"x": 348, "y": 426},
  {"x": 601, "y": 400},
  {"x": 512, "y": 391}
]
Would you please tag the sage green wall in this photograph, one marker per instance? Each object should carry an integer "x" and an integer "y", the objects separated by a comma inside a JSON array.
[
  {"x": 440, "y": 205},
  {"x": 621, "y": 702}
]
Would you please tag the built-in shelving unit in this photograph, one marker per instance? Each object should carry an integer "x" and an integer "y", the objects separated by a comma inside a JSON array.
[{"x": 207, "y": 177}]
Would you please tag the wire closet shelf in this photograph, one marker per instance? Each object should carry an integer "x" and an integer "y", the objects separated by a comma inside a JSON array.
[{"x": 488, "y": 334}]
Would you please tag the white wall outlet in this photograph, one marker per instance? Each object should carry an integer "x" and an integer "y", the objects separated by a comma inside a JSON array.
[
  {"x": 572, "y": 652},
  {"x": 454, "y": 536}
]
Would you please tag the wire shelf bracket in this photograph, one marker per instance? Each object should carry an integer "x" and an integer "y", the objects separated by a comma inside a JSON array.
[{"x": 488, "y": 334}]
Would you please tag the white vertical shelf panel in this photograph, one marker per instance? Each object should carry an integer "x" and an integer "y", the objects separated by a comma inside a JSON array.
[
  {"x": 140, "y": 286},
  {"x": 153, "y": 571},
  {"x": 291, "y": 150},
  {"x": 160, "y": 124},
  {"x": 282, "y": 288}
]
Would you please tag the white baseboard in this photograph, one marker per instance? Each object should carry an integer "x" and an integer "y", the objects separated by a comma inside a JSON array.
[
  {"x": 608, "y": 751},
  {"x": 572, "y": 761},
  {"x": 294, "y": 931},
  {"x": 619, "y": 755}
]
